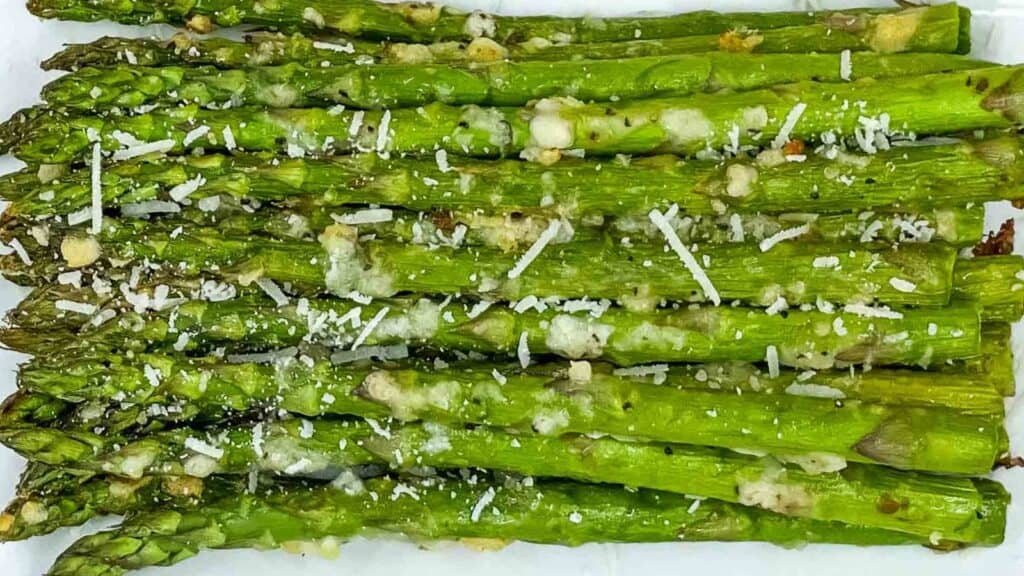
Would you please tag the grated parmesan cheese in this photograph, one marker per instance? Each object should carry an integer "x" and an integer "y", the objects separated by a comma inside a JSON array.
[
  {"x": 485, "y": 499},
  {"x": 195, "y": 134},
  {"x": 199, "y": 447},
  {"x": 523, "y": 350},
  {"x": 343, "y": 48},
  {"x": 441, "y": 157},
  {"x": 478, "y": 309},
  {"x": 684, "y": 254},
  {"x": 186, "y": 188},
  {"x": 369, "y": 327},
  {"x": 772, "y": 357},
  {"x": 147, "y": 207},
  {"x": 229, "y": 138},
  {"x": 271, "y": 289},
  {"x": 902, "y": 285},
  {"x": 872, "y": 311},
  {"x": 160, "y": 146},
  {"x": 74, "y": 278},
  {"x": 357, "y": 123},
  {"x": 787, "y": 126},
  {"x": 838, "y": 327},
  {"x": 26, "y": 260},
  {"x": 659, "y": 371},
  {"x": 826, "y": 262},
  {"x": 845, "y": 65},
  {"x": 384, "y": 131},
  {"x": 533, "y": 251},
  {"x": 779, "y": 305},
  {"x": 783, "y": 235},
  {"x": 368, "y": 216},
  {"x": 96, "y": 208},
  {"x": 78, "y": 307}
]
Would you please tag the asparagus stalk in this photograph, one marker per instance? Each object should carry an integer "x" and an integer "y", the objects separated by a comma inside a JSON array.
[
  {"x": 895, "y": 179},
  {"x": 800, "y": 338},
  {"x": 929, "y": 104},
  {"x": 270, "y": 49},
  {"x": 561, "y": 513},
  {"x": 932, "y": 439},
  {"x": 934, "y": 27},
  {"x": 497, "y": 84},
  {"x": 862, "y": 495},
  {"x": 516, "y": 232},
  {"x": 69, "y": 501},
  {"x": 974, "y": 387},
  {"x": 916, "y": 273}
]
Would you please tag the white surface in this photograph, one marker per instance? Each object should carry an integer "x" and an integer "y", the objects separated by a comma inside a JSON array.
[{"x": 998, "y": 30}]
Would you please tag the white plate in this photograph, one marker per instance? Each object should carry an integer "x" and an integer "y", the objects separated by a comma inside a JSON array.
[{"x": 998, "y": 35}]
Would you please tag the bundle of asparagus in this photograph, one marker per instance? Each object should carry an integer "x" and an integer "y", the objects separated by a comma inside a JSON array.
[{"x": 462, "y": 276}]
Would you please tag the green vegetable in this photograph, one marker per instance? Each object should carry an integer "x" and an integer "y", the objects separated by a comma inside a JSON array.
[
  {"x": 496, "y": 83},
  {"x": 208, "y": 390},
  {"x": 555, "y": 512},
  {"x": 929, "y": 104},
  {"x": 900, "y": 179},
  {"x": 934, "y": 28},
  {"x": 801, "y": 339},
  {"x": 644, "y": 273},
  {"x": 814, "y": 487}
]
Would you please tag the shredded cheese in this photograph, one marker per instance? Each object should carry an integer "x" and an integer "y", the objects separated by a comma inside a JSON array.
[
  {"x": 533, "y": 251},
  {"x": 22, "y": 253},
  {"x": 902, "y": 285},
  {"x": 523, "y": 350},
  {"x": 787, "y": 126},
  {"x": 195, "y": 134},
  {"x": 772, "y": 357},
  {"x": 369, "y": 327},
  {"x": 229, "y": 138},
  {"x": 783, "y": 235},
  {"x": 368, "y": 216},
  {"x": 384, "y": 131},
  {"x": 485, "y": 499},
  {"x": 78, "y": 307},
  {"x": 873, "y": 312},
  {"x": 199, "y": 447},
  {"x": 845, "y": 65},
  {"x": 97, "y": 189},
  {"x": 161, "y": 146},
  {"x": 271, "y": 289},
  {"x": 685, "y": 255},
  {"x": 441, "y": 157},
  {"x": 186, "y": 188},
  {"x": 344, "y": 48}
]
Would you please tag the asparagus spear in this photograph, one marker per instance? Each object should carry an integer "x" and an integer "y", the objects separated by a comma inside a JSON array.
[
  {"x": 270, "y": 49},
  {"x": 896, "y": 179},
  {"x": 863, "y": 495},
  {"x": 811, "y": 339},
  {"x": 548, "y": 512},
  {"x": 937, "y": 26},
  {"x": 935, "y": 103},
  {"x": 516, "y": 232},
  {"x": 905, "y": 437},
  {"x": 917, "y": 273},
  {"x": 638, "y": 274},
  {"x": 70, "y": 501},
  {"x": 975, "y": 386},
  {"x": 497, "y": 84}
]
